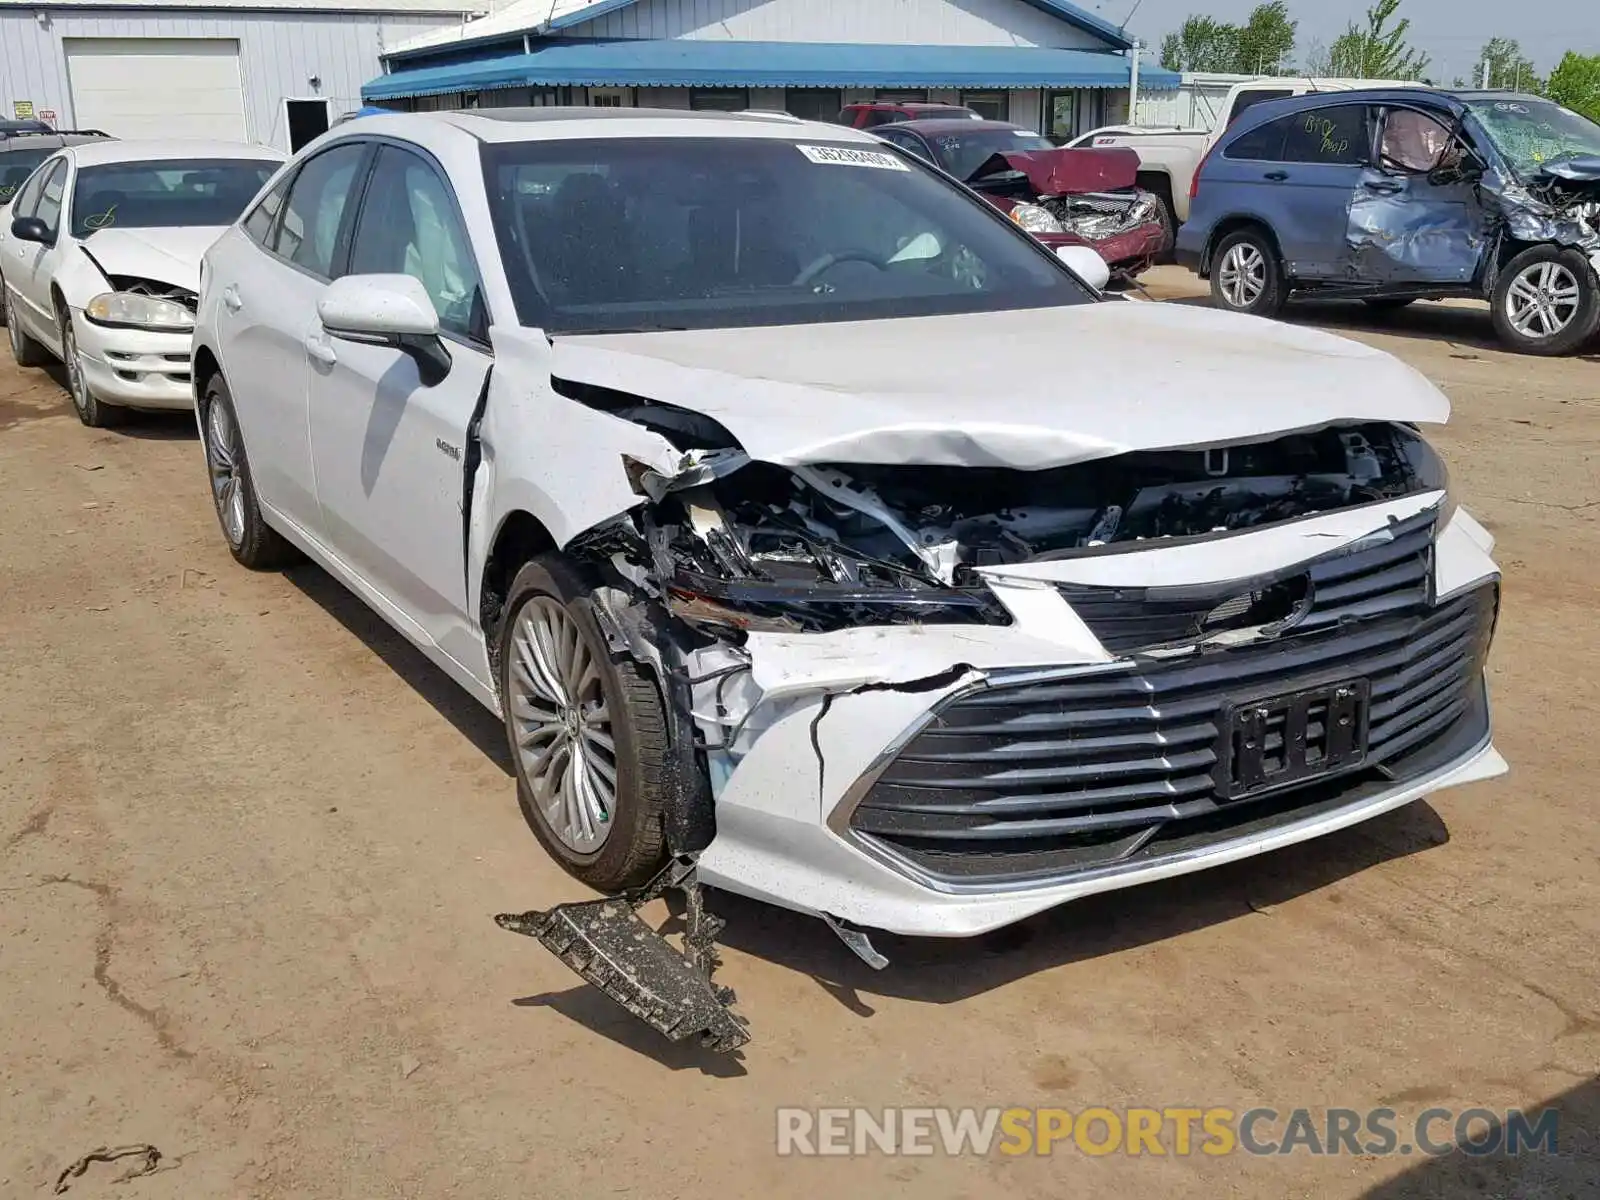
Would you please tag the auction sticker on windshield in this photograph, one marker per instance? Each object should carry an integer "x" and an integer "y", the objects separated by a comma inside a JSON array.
[{"x": 848, "y": 156}]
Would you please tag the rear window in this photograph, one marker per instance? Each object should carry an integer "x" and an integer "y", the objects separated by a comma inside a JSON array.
[
  {"x": 15, "y": 167},
  {"x": 1264, "y": 143},
  {"x": 165, "y": 194}
]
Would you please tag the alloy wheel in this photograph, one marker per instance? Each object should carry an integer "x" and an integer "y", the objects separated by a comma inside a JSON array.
[
  {"x": 1243, "y": 275},
  {"x": 1543, "y": 300},
  {"x": 76, "y": 388},
  {"x": 14, "y": 333},
  {"x": 562, "y": 725},
  {"x": 227, "y": 488}
]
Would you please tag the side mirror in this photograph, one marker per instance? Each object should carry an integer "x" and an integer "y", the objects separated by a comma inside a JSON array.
[
  {"x": 387, "y": 310},
  {"x": 1085, "y": 262},
  {"x": 31, "y": 229}
]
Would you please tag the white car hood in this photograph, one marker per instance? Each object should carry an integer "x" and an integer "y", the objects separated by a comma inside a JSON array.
[
  {"x": 1028, "y": 389},
  {"x": 169, "y": 256}
]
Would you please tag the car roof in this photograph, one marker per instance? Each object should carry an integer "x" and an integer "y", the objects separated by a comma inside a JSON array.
[
  {"x": 553, "y": 123},
  {"x": 912, "y": 105},
  {"x": 1260, "y": 114},
  {"x": 1469, "y": 96},
  {"x": 953, "y": 125},
  {"x": 106, "y": 151}
]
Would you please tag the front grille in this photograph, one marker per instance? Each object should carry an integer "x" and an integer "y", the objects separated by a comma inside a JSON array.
[
  {"x": 1373, "y": 580},
  {"x": 1080, "y": 771}
]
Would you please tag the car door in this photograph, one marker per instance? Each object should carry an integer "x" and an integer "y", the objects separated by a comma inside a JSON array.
[
  {"x": 32, "y": 265},
  {"x": 1417, "y": 217},
  {"x": 1326, "y": 150},
  {"x": 388, "y": 447},
  {"x": 271, "y": 272}
]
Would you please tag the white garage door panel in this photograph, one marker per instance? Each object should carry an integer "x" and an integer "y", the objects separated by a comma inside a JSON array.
[{"x": 157, "y": 87}]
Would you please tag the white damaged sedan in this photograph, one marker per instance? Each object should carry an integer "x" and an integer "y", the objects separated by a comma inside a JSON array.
[
  {"x": 819, "y": 536},
  {"x": 100, "y": 263}
]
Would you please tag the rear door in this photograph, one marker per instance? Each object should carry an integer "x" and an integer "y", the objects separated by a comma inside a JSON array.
[
  {"x": 389, "y": 448},
  {"x": 270, "y": 275},
  {"x": 1326, "y": 150},
  {"x": 1416, "y": 219}
]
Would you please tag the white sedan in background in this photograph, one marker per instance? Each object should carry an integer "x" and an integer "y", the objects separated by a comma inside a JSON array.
[{"x": 100, "y": 263}]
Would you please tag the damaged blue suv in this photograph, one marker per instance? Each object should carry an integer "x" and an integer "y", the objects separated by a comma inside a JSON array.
[{"x": 1397, "y": 195}]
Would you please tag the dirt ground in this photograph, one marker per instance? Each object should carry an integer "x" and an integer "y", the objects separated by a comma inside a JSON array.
[{"x": 250, "y": 846}]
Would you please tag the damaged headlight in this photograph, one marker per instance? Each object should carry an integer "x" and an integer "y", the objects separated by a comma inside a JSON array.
[
  {"x": 1035, "y": 219},
  {"x": 129, "y": 310}
]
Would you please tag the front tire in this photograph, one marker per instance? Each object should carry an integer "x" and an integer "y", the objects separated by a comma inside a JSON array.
[
  {"x": 91, "y": 410},
  {"x": 1547, "y": 301},
  {"x": 588, "y": 735},
  {"x": 25, "y": 350},
  {"x": 253, "y": 542},
  {"x": 1247, "y": 275}
]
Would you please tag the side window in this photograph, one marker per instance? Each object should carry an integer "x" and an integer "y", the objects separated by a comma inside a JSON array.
[
  {"x": 1413, "y": 141},
  {"x": 1336, "y": 135},
  {"x": 1264, "y": 143},
  {"x": 55, "y": 184},
  {"x": 877, "y": 116},
  {"x": 907, "y": 141},
  {"x": 408, "y": 226},
  {"x": 28, "y": 198},
  {"x": 309, "y": 233},
  {"x": 258, "y": 225},
  {"x": 1247, "y": 100}
]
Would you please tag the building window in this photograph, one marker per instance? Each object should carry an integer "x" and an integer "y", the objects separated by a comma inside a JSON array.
[
  {"x": 719, "y": 99},
  {"x": 991, "y": 106},
  {"x": 1061, "y": 116},
  {"x": 611, "y": 97},
  {"x": 904, "y": 95},
  {"x": 813, "y": 104}
]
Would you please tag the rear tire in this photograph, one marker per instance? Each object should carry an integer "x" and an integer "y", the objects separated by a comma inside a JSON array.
[
  {"x": 1160, "y": 187},
  {"x": 253, "y": 542},
  {"x": 1247, "y": 275},
  {"x": 588, "y": 739},
  {"x": 25, "y": 350},
  {"x": 1547, "y": 301}
]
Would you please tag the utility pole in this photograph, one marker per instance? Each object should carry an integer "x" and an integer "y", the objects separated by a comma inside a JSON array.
[{"x": 1133, "y": 83}]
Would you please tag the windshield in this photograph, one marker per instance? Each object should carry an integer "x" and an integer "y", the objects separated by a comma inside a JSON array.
[
  {"x": 15, "y": 167},
  {"x": 1531, "y": 133},
  {"x": 698, "y": 233},
  {"x": 159, "y": 195},
  {"x": 963, "y": 153}
]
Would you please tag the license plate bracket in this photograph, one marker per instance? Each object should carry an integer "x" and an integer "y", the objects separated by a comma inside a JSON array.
[{"x": 1292, "y": 738}]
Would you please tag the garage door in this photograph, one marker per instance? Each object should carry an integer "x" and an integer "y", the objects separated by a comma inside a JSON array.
[{"x": 157, "y": 87}]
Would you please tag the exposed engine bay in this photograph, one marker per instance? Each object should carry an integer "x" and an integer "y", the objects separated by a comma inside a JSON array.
[{"x": 750, "y": 545}]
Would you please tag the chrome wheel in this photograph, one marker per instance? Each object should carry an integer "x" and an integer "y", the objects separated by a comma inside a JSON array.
[
  {"x": 69, "y": 359},
  {"x": 1243, "y": 275},
  {"x": 227, "y": 488},
  {"x": 1543, "y": 300},
  {"x": 562, "y": 725}
]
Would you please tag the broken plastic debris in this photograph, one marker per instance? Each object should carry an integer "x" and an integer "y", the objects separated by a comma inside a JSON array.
[{"x": 106, "y": 1154}]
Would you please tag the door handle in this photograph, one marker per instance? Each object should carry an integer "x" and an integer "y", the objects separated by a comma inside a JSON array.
[
  {"x": 1276, "y": 176},
  {"x": 321, "y": 351},
  {"x": 231, "y": 299},
  {"x": 1384, "y": 187}
]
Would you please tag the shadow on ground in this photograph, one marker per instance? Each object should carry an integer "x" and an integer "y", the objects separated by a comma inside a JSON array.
[{"x": 1573, "y": 1171}]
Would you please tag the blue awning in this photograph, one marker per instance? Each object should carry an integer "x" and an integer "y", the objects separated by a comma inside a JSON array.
[{"x": 708, "y": 63}]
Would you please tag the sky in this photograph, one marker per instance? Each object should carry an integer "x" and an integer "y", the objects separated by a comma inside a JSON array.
[{"x": 1451, "y": 31}]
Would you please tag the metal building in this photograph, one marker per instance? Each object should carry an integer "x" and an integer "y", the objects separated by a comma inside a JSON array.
[
  {"x": 270, "y": 71},
  {"x": 1046, "y": 64}
]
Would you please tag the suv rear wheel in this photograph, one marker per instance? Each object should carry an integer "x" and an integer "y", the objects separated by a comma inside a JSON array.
[
  {"x": 1247, "y": 275},
  {"x": 1547, "y": 301}
]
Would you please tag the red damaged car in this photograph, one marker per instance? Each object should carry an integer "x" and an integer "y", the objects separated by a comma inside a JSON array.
[{"x": 1062, "y": 197}]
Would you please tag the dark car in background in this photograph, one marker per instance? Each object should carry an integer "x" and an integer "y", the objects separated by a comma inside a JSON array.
[
  {"x": 1391, "y": 196},
  {"x": 1062, "y": 197},
  {"x": 885, "y": 112}
]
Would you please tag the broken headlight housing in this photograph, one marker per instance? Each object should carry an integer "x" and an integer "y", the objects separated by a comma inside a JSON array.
[{"x": 1034, "y": 219}]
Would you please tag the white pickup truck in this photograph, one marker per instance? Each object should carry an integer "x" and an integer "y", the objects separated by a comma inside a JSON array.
[{"x": 1169, "y": 156}]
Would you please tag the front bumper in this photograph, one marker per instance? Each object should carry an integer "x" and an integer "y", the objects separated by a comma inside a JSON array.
[
  {"x": 1130, "y": 252},
  {"x": 800, "y": 817},
  {"x": 135, "y": 368}
]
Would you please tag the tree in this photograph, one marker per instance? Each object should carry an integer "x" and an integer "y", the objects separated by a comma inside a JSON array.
[
  {"x": 1319, "y": 62},
  {"x": 1378, "y": 51},
  {"x": 1261, "y": 46},
  {"x": 1201, "y": 44},
  {"x": 1508, "y": 67},
  {"x": 1576, "y": 83}
]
